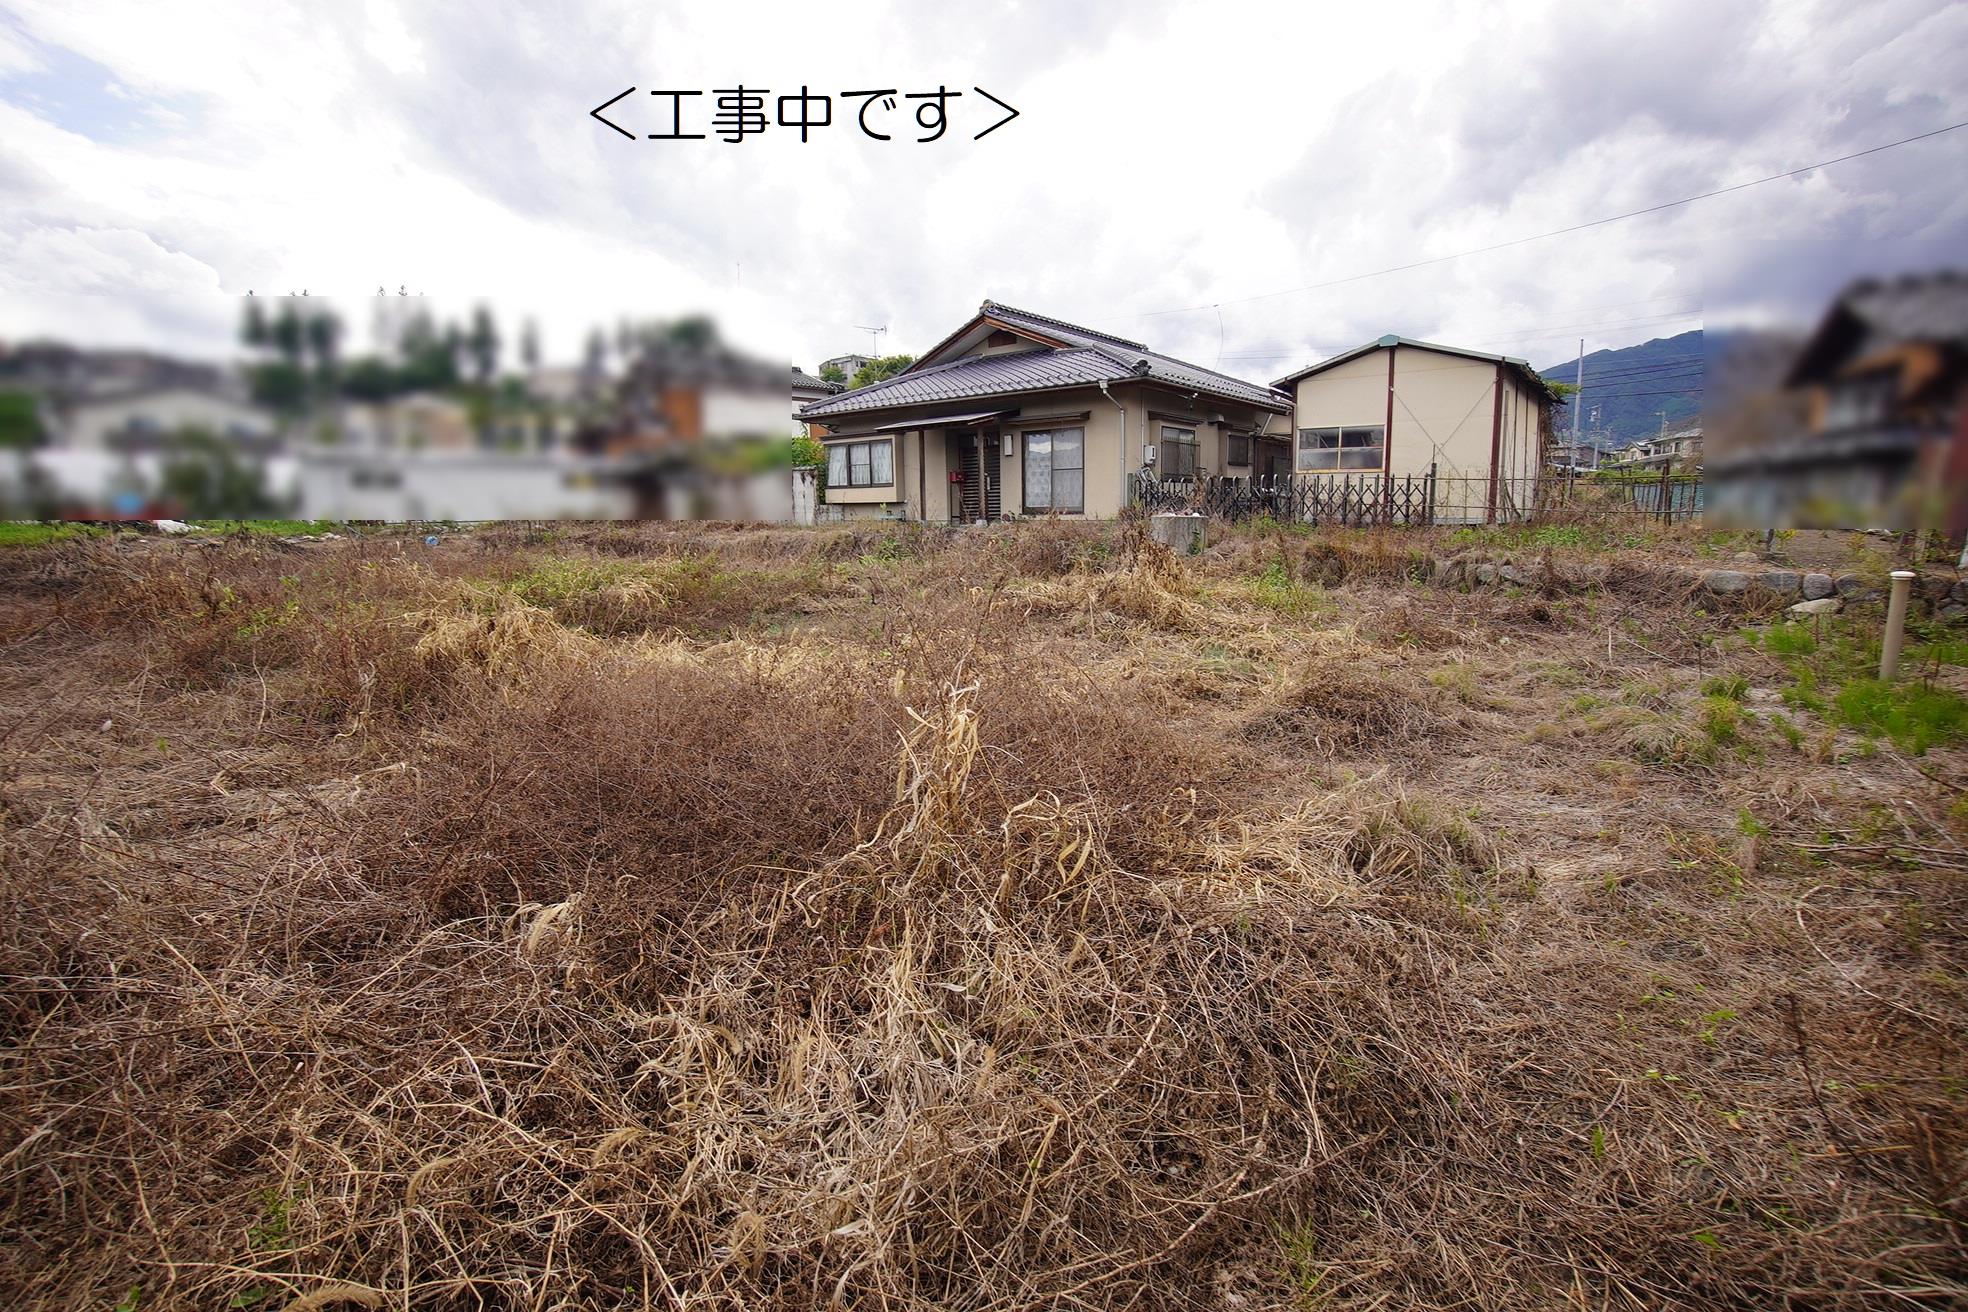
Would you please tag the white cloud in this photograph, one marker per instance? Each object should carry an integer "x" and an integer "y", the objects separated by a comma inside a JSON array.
[{"x": 1168, "y": 155}]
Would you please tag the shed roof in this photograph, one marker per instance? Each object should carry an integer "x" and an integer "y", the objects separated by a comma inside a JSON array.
[{"x": 1521, "y": 367}]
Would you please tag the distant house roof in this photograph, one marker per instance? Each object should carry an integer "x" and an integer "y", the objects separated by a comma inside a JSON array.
[
  {"x": 805, "y": 380},
  {"x": 1063, "y": 355},
  {"x": 1871, "y": 315},
  {"x": 1522, "y": 368},
  {"x": 156, "y": 390}
]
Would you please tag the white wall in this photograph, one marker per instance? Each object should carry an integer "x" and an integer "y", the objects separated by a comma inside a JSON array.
[{"x": 94, "y": 422}]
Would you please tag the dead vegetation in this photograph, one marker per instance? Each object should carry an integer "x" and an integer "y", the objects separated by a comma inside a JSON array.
[{"x": 752, "y": 919}]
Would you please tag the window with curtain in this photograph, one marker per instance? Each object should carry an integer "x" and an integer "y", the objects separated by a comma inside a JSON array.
[
  {"x": 861, "y": 464},
  {"x": 1178, "y": 452},
  {"x": 1055, "y": 471},
  {"x": 1342, "y": 449}
]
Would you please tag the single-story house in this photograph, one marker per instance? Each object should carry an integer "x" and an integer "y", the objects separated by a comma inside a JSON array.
[
  {"x": 1402, "y": 407},
  {"x": 1016, "y": 413}
]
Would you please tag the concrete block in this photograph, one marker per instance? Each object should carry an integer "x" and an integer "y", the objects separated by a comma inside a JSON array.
[{"x": 1182, "y": 534}]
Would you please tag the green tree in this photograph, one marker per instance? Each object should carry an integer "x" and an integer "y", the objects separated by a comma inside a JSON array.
[
  {"x": 885, "y": 366},
  {"x": 288, "y": 334},
  {"x": 696, "y": 331},
  {"x": 279, "y": 385},
  {"x": 430, "y": 360},
  {"x": 324, "y": 339},
  {"x": 253, "y": 330},
  {"x": 370, "y": 379},
  {"x": 832, "y": 373},
  {"x": 20, "y": 420},
  {"x": 206, "y": 479},
  {"x": 482, "y": 344}
]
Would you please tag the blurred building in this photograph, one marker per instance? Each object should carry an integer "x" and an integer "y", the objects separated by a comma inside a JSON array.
[
  {"x": 677, "y": 393},
  {"x": 849, "y": 365},
  {"x": 60, "y": 373},
  {"x": 420, "y": 421},
  {"x": 1866, "y": 426}
]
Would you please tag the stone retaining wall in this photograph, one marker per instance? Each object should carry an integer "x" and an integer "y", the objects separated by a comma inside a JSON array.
[{"x": 1941, "y": 593}]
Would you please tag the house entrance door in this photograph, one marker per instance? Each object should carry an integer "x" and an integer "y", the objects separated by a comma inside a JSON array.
[
  {"x": 980, "y": 496},
  {"x": 967, "y": 489}
]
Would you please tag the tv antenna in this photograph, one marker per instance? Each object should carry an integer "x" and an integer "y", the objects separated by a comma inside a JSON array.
[{"x": 876, "y": 333}]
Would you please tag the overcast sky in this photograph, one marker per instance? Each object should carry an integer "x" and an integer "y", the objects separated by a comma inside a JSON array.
[{"x": 158, "y": 160}]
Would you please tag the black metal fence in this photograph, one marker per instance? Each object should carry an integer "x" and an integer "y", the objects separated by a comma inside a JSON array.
[{"x": 1359, "y": 500}]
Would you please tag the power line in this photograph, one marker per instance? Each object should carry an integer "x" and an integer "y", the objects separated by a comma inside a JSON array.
[
  {"x": 1662, "y": 319},
  {"x": 1560, "y": 232},
  {"x": 1527, "y": 336},
  {"x": 1627, "y": 375}
]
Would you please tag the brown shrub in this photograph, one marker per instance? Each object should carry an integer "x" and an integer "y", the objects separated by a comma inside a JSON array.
[
  {"x": 1341, "y": 705},
  {"x": 935, "y": 972}
]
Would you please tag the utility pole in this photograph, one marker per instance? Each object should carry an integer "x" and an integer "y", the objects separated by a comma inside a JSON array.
[{"x": 1578, "y": 398}]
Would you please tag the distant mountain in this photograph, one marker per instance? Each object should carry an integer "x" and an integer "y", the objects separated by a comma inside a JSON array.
[{"x": 1630, "y": 389}]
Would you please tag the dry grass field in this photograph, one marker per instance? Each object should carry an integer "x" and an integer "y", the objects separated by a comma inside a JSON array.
[{"x": 697, "y": 917}]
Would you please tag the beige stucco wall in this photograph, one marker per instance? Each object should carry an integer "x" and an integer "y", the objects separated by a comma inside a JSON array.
[
  {"x": 1346, "y": 394},
  {"x": 1444, "y": 408},
  {"x": 929, "y": 495},
  {"x": 1113, "y": 446},
  {"x": 1101, "y": 458},
  {"x": 1444, "y": 411}
]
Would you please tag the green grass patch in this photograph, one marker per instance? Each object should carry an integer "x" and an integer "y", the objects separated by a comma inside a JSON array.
[
  {"x": 1277, "y": 590},
  {"x": 34, "y": 533},
  {"x": 268, "y": 528},
  {"x": 1834, "y": 675},
  {"x": 1914, "y": 715}
]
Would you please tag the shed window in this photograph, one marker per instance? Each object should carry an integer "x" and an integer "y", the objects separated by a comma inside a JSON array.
[
  {"x": 1178, "y": 452},
  {"x": 1328, "y": 449},
  {"x": 1055, "y": 470},
  {"x": 861, "y": 464}
]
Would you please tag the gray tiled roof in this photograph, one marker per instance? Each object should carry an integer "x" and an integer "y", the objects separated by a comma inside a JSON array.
[
  {"x": 1916, "y": 309},
  {"x": 1088, "y": 357},
  {"x": 991, "y": 375},
  {"x": 801, "y": 378},
  {"x": 1164, "y": 368},
  {"x": 1869, "y": 316}
]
